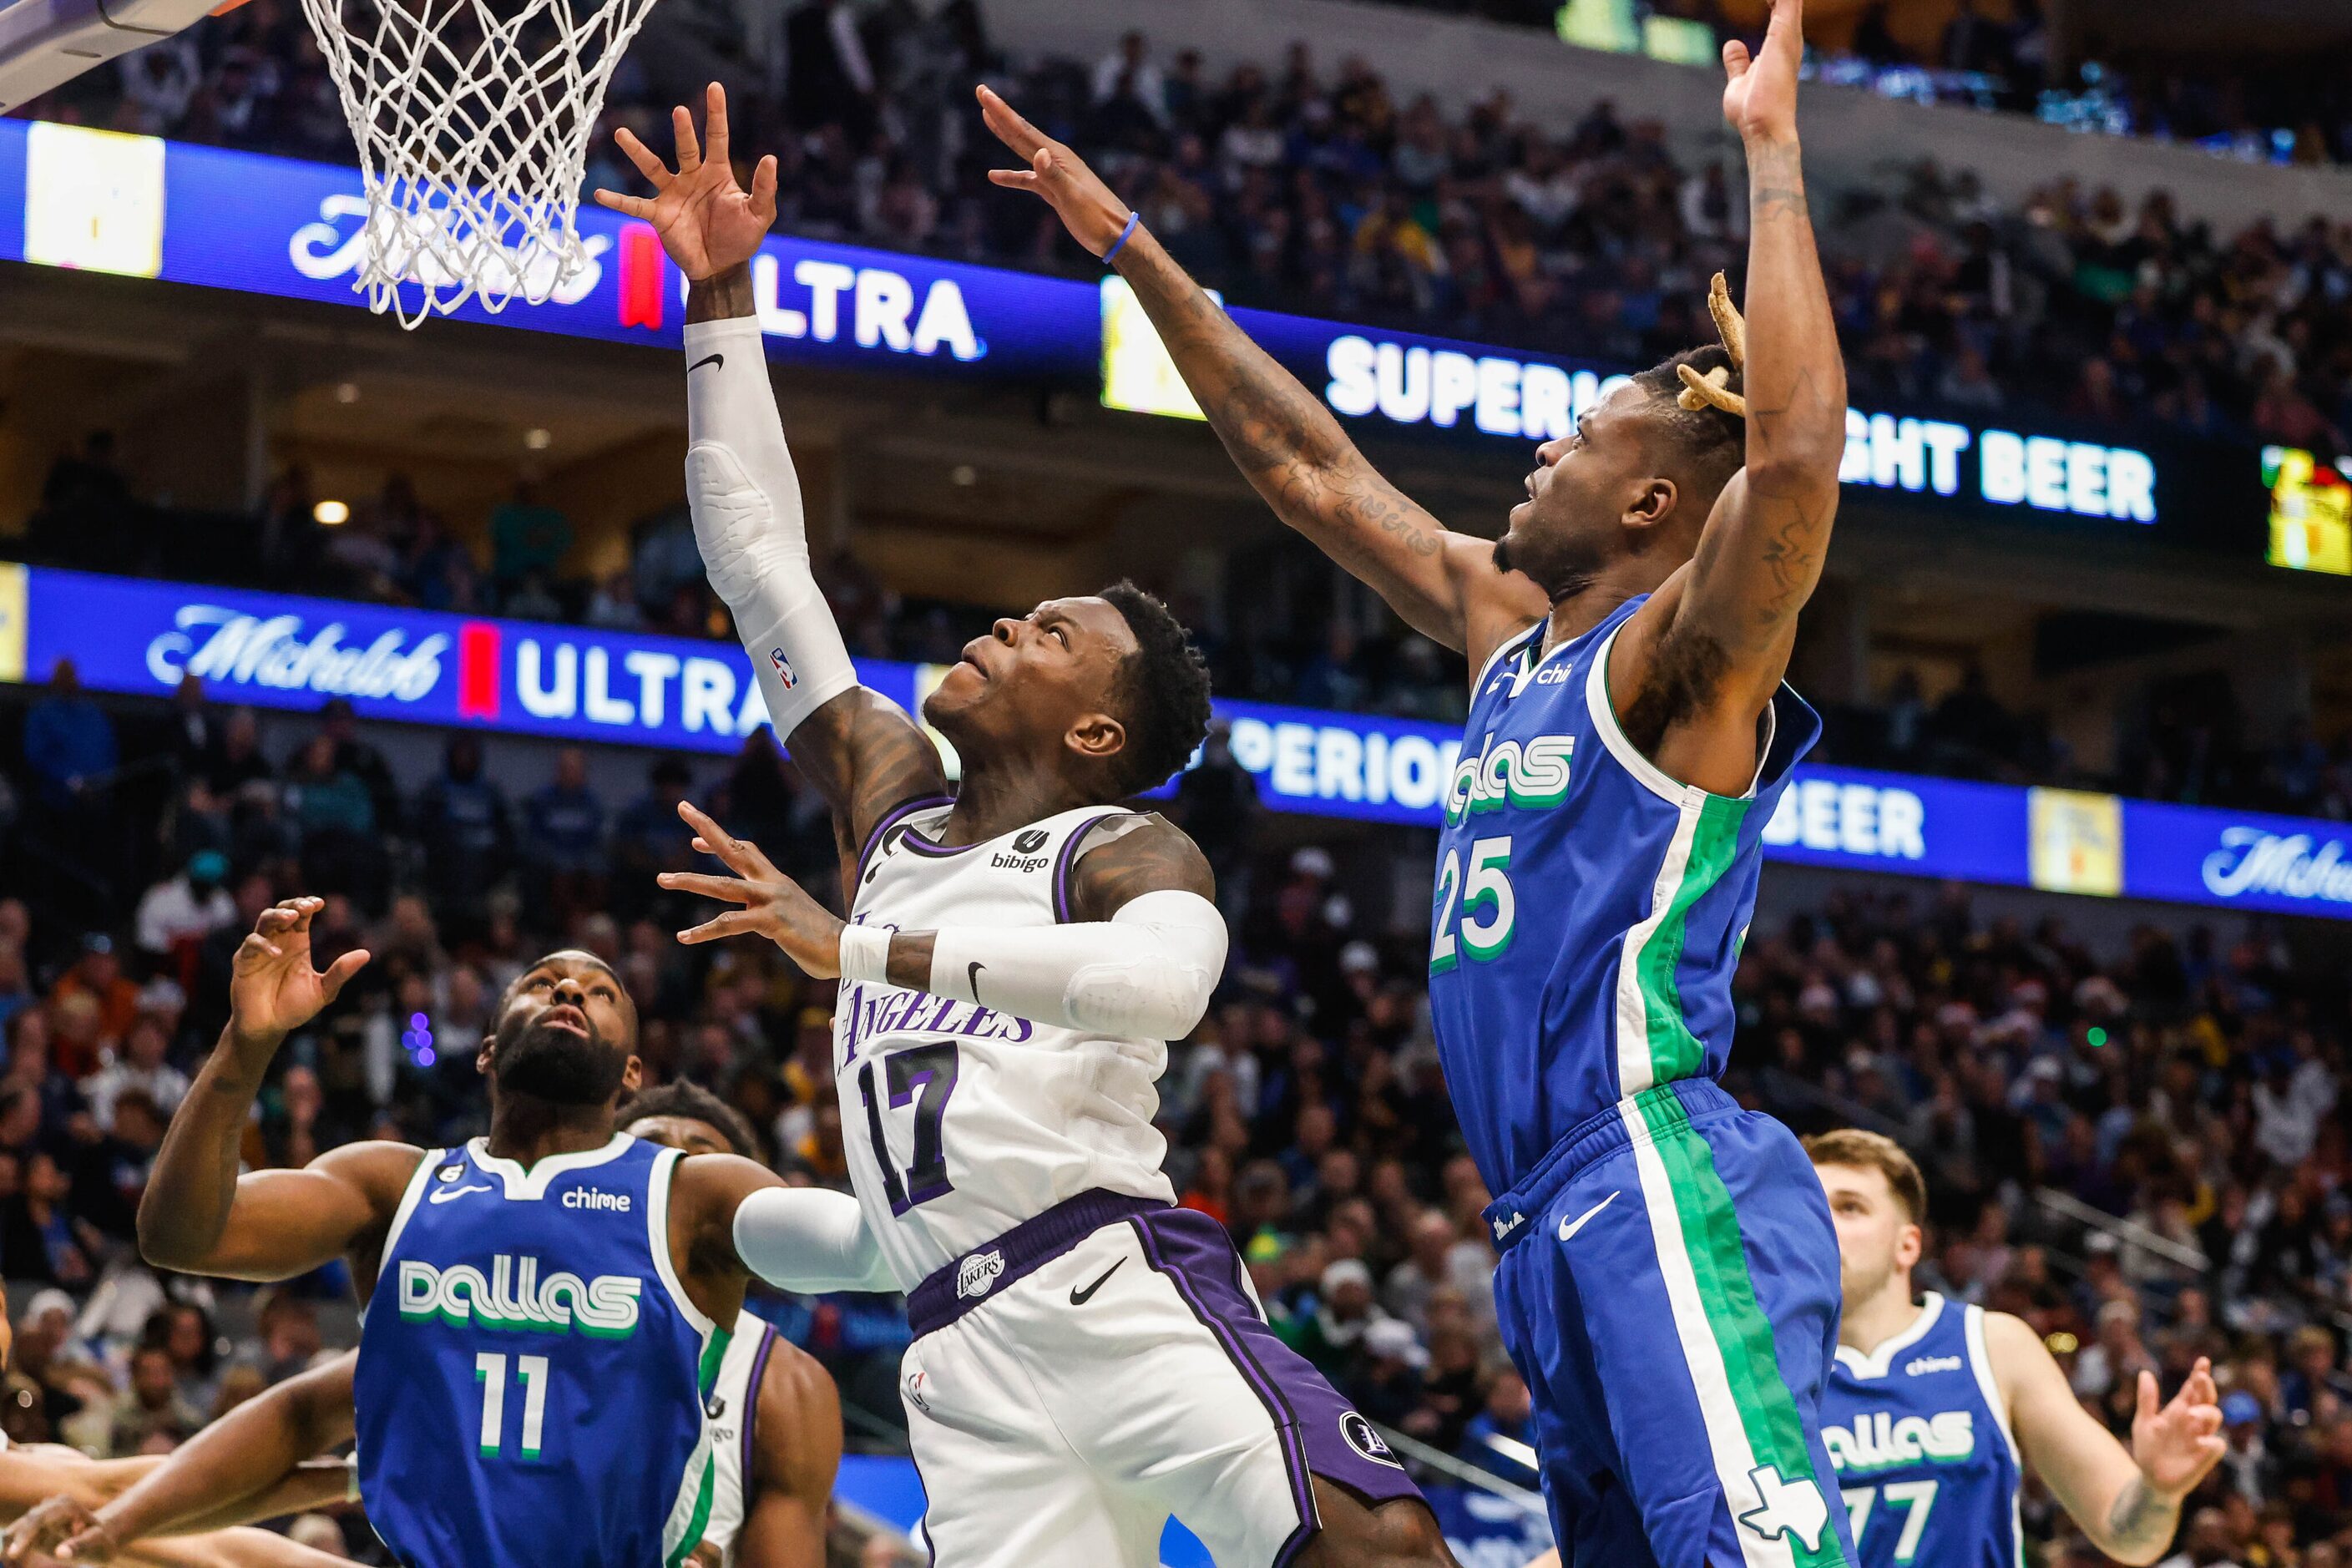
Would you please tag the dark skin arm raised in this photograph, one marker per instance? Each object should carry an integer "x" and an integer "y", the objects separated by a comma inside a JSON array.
[
  {"x": 198, "y": 1215},
  {"x": 1156, "y": 856},
  {"x": 860, "y": 750},
  {"x": 1280, "y": 435},
  {"x": 1696, "y": 665}
]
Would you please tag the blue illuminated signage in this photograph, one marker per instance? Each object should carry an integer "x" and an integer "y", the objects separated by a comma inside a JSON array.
[
  {"x": 273, "y": 225},
  {"x": 530, "y": 677}
]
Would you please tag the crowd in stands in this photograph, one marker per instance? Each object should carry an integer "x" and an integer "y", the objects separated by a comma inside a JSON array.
[
  {"x": 1309, "y": 183},
  {"x": 2188, "y": 1086}
]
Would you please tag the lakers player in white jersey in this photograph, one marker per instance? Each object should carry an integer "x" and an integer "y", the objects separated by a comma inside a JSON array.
[
  {"x": 1089, "y": 1360},
  {"x": 775, "y": 1423}
]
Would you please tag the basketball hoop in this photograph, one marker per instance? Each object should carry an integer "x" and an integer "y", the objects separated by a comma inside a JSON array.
[{"x": 472, "y": 121}]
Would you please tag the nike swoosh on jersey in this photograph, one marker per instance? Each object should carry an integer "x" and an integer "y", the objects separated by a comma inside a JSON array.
[
  {"x": 1568, "y": 1228},
  {"x": 1080, "y": 1297},
  {"x": 706, "y": 359},
  {"x": 443, "y": 1194}
]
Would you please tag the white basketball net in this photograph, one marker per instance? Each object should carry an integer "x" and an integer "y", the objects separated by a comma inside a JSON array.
[{"x": 473, "y": 131}]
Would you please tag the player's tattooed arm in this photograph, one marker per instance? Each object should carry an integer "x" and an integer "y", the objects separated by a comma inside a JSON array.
[
  {"x": 197, "y": 1215},
  {"x": 867, "y": 757},
  {"x": 2126, "y": 1501},
  {"x": 1285, "y": 443}
]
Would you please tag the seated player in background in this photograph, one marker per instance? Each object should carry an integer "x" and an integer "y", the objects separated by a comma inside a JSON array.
[
  {"x": 530, "y": 1391},
  {"x": 774, "y": 1453},
  {"x": 1936, "y": 1407},
  {"x": 33, "y": 1476},
  {"x": 1018, "y": 955}
]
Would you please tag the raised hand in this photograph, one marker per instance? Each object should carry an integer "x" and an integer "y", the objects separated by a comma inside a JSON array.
[
  {"x": 62, "y": 1528},
  {"x": 273, "y": 989},
  {"x": 1759, "y": 98},
  {"x": 2175, "y": 1444},
  {"x": 774, "y": 904},
  {"x": 706, "y": 221},
  {"x": 1094, "y": 216}
]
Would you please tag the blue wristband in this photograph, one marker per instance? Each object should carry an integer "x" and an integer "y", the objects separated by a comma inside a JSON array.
[{"x": 1133, "y": 218}]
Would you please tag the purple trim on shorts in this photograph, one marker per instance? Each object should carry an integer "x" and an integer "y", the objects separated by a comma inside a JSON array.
[
  {"x": 751, "y": 1397},
  {"x": 1017, "y": 1254},
  {"x": 1069, "y": 858},
  {"x": 1314, "y": 1419},
  {"x": 895, "y": 815}
]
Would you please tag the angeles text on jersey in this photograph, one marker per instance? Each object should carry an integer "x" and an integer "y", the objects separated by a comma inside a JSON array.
[
  {"x": 515, "y": 1296},
  {"x": 894, "y": 1012}
]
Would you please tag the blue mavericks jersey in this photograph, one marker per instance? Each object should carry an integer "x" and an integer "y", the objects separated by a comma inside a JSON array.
[
  {"x": 1920, "y": 1439},
  {"x": 1588, "y": 909},
  {"x": 531, "y": 1376}
]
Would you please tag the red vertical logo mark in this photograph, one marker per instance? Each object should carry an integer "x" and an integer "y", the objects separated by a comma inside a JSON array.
[
  {"x": 641, "y": 276},
  {"x": 477, "y": 671}
]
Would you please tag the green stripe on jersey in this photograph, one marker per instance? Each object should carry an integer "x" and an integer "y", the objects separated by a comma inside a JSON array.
[
  {"x": 1719, "y": 1263},
  {"x": 1707, "y": 838}
]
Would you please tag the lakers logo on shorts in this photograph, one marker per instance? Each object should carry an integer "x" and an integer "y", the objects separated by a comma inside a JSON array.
[
  {"x": 1365, "y": 1441},
  {"x": 977, "y": 1273}
]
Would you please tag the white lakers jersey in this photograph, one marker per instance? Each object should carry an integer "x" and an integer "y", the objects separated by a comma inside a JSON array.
[{"x": 960, "y": 1122}]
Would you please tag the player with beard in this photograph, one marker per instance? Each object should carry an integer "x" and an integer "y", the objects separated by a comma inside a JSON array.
[
  {"x": 775, "y": 1431},
  {"x": 1018, "y": 955},
  {"x": 531, "y": 1381}
]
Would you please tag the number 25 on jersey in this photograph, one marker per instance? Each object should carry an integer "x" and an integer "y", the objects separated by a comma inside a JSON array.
[{"x": 1476, "y": 892}]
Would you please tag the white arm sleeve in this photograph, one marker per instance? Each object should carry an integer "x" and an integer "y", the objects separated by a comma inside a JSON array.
[
  {"x": 809, "y": 1239},
  {"x": 747, "y": 520},
  {"x": 1147, "y": 972}
]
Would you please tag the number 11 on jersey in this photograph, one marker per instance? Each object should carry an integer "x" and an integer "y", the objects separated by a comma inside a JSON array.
[{"x": 490, "y": 1371}]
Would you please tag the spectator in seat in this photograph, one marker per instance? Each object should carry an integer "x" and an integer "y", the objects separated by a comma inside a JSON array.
[{"x": 179, "y": 912}]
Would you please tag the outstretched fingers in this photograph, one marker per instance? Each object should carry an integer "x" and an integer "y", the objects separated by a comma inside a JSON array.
[
  {"x": 655, "y": 170},
  {"x": 734, "y": 889},
  {"x": 1785, "y": 33},
  {"x": 763, "y": 190},
  {"x": 739, "y": 856},
  {"x": 714, "y": 121},
  {"x": 1007, "y": 123},
  {"x": 734, "y": 923},
  {"x": 689, "y": 149},
  {"x": 339, "y": 972},
  {"x": 628, "y": 206}
]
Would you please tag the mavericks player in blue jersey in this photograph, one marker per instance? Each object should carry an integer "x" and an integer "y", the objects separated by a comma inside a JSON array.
[
  {"x": 1669, "y": 1286},
  {"x": 543, "y": 1303},
  {"x": 1935, "y": 1406}
]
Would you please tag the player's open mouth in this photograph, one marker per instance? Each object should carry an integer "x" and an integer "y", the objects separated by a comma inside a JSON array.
[
  {"x": 564, "y": 1015},
  {"x": 971, "y": 659}
]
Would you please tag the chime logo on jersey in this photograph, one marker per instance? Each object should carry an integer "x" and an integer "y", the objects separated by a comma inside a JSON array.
[
  {"x": 1532, "y": 776},
  {"x": 1881, "y": 1440},
  {"x": 513, "y": 1296}
]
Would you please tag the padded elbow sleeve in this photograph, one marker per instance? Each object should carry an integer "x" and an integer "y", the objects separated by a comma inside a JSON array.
[{"x": 749, "y": 525}]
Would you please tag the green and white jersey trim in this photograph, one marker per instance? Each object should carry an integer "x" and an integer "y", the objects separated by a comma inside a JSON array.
[
  {"x": 1654, "y": 1045},
  {"x": 697, "y": 1488},
  {"x": 1755, "y": 1436},
  {"x": 1989, "y": 1390}
]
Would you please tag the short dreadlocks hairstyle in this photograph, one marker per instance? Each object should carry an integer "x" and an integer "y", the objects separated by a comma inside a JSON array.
[
  {"x": 1711, "y": 442},
  {"x": 1705, "y": 422},
  {"x": 1161, "y": 688},
  {"x": 692, "y": 1102}
]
